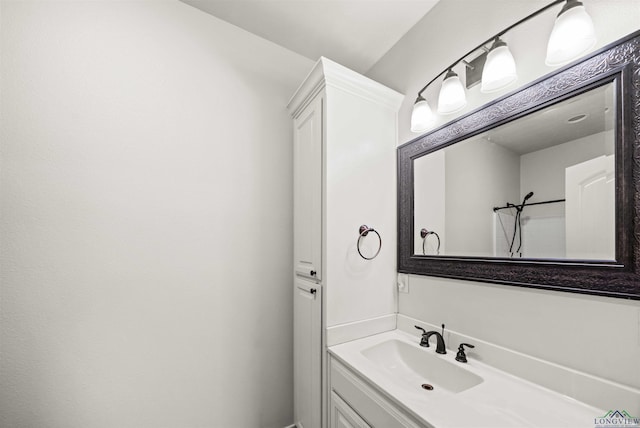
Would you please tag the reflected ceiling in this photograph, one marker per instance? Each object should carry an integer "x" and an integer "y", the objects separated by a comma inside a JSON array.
[{"x": 574, "y": 118}]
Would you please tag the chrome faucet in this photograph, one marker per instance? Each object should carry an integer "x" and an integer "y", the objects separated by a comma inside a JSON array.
[{"x": 424, "y": 341}]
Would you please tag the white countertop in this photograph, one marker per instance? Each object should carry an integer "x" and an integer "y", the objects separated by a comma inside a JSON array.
[{"x": 501, "y": 400}]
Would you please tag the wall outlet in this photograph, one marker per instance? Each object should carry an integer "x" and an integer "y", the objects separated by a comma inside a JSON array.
[{"x": 403, "y": 283}]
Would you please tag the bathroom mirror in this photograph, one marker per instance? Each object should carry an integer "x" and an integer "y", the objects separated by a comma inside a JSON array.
[
  {"x": 469, "y": 196},
  {"x": 538, "y": 188}
]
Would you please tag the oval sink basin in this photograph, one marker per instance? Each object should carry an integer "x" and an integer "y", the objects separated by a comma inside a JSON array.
[{"x": 418, "y": 366}]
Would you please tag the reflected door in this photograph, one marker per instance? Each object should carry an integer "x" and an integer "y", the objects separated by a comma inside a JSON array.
[{"x": 590, "y": 209}]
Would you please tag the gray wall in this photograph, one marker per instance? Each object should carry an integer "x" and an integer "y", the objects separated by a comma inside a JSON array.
[{"x": 146, "y": 235}]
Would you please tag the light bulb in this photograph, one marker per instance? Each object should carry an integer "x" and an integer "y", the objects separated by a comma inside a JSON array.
[
  {"x": 422, "y": 117},
  {"x": 452, "y": 97},
  {"x": 573, "y": 34},
  {"x": 499, "y": 69}
]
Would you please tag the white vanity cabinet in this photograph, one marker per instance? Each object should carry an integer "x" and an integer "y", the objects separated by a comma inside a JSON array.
[
  {"x": 368, "y": 404},
  {"x": 343, "y": 416},
  {"x": 344, "y": 136}
]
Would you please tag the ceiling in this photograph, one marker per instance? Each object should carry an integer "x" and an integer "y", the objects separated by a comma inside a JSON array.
[{"x": 354, "y": 33}]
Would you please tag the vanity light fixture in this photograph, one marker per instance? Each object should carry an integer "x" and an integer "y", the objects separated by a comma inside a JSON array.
[
  {"x": 572, "y": 36},
  {"x": 499, "y": 69},
  {"x": 452, "y": 97},
  {"x": 422, "y": 117}
]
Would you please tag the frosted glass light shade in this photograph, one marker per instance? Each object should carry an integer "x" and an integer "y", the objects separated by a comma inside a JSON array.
[
  {"x": 422, "y": 117},
  {"x": 499, "y": 69},
  {"x": 452, "y": 97},
  {"x": 573, "y": 34}
]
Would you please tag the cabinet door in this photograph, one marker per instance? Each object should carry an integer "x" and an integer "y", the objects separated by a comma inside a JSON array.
[
  {"x": 307, "y": 353},
  {"x": 307, "y": 194},
  {"x": 343, "y": 416}
]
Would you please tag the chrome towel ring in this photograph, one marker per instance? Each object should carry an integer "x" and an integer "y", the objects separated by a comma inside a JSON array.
[
  {"x": 424, "y": 233},
  {"x": 364, "y": 231}
]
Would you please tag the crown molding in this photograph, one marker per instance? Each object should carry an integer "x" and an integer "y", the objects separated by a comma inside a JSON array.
[{"x": 327, "y": 73}]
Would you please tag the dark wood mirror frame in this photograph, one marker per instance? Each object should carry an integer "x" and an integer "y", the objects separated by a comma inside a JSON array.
[{"x": 618, "y": 63}]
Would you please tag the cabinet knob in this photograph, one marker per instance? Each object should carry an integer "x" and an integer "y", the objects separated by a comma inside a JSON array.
[{"x": 312, "y": 273}]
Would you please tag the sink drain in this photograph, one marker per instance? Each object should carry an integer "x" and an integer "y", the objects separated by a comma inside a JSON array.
[{"x": 427, "y": 386}]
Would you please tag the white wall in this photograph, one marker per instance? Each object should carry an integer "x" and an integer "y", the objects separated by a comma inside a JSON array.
[
  {"x": 554, "y": 162},
  {"x": 360, "y": 187},
  {"x": 569, "y": 329},
  {"x": 456, "y": 190},
  {"x": 594, "y": 335},
  {"x": 480, "y": 175},
  {"x": 146, "y": 218},
  {"x": 429, "y": 186}
]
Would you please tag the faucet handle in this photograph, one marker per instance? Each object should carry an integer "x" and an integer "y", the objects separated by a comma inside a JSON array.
[
  {"x": 461, "y": 356},
  {"x": 423, "y": 341}
]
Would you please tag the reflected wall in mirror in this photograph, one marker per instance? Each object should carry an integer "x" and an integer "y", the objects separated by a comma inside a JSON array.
[{"x": 541, "y": 186}]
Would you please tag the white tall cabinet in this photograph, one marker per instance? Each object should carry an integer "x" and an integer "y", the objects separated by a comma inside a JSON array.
[
  {"x": 307, "y": 250},
  {"x": 344, "y": 129},
  {"x": 307, "y": 185}
]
